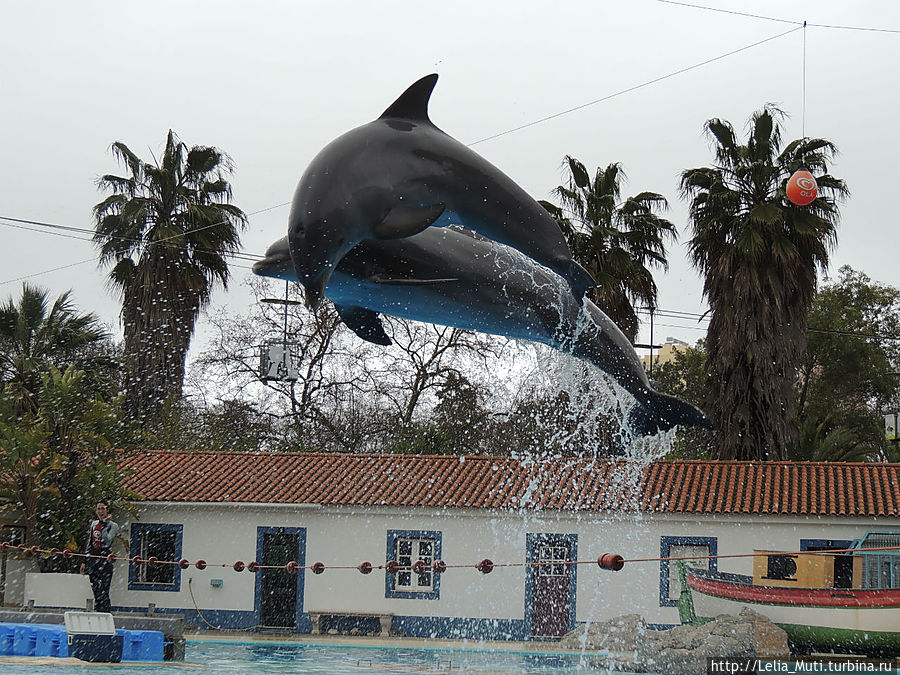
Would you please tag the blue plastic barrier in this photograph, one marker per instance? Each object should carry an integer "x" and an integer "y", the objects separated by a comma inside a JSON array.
[
  {"x": 47, "y": 642},
  {"x": 24, "y": 640},
  {"x": 6, "y": 639},
  {"x": 143, "y": 645},
  {"x": 41, "y": 639}
]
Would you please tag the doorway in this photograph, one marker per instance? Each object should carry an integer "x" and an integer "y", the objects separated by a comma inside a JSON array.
[
  {"x": 279, "y": 593},
  {"x": 550, "y": 584}
]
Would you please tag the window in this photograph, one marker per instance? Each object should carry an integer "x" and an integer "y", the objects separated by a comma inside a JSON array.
[
  {"x": 677, "y": 547},
  {"x": 14, "y": 534},
  {"x": 553, "y": 559},
  {"x": 163, "y": 542},
  {"x": 408, "y": 547},
  {"x": 781, "y": 567},
  {"x": 881, "y": 571},
  {"x": 843, "y": 564}
]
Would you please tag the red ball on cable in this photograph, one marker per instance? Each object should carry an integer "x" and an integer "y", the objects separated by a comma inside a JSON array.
[
  {"x": 611, "y": 561},
  {"x": 802, "y": 188}
]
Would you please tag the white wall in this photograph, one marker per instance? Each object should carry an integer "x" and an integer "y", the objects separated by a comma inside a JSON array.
[{"x": 345, "y": 536}]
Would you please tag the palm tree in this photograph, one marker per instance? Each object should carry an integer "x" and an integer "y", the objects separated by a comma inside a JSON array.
[
  {"x": 35, "y": 334},
  {"x": 167, "y": 229},
  {"x": 759, "y": 255},
  {"x": 616, "y": 242}
]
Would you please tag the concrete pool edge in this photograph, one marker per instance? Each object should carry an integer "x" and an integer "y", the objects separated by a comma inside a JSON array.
[{"x": 429, "y": 644}]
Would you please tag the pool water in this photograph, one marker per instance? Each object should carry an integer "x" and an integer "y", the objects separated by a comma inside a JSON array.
[{"x": 212, "y": 657}]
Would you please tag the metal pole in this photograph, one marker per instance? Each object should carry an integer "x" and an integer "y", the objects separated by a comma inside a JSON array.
[{"x": 284, "y": 354}]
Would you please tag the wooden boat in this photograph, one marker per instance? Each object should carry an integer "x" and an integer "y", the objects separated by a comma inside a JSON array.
[{"x": 844, "y": 602}]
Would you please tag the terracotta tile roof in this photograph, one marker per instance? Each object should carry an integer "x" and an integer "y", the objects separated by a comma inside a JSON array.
[{"x": 805, "y": 488}]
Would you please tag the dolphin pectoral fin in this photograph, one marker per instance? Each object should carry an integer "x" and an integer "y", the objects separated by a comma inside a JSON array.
[
  {"x": 660, "y": 412},
  {"x": 405, "y": 221},
  {"x": 407, "y": 281},
  {"x": 365, "y": 323}
]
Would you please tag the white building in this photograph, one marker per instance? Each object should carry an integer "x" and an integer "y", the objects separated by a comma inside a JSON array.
[{"x": 342, "y": 510}]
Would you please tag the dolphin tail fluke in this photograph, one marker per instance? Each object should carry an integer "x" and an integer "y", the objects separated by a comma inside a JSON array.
[
  {"x": 580, "y": 280},
  {"x": 661, "y": 412}
]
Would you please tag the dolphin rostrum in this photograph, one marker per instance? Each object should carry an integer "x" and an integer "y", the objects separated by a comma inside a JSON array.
[
  {"x": 398, "y": 175},
  {"x": 455, "y": 278}
]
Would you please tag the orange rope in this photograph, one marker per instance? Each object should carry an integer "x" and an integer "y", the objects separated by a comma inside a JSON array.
[{"x": 391, "y": 565}]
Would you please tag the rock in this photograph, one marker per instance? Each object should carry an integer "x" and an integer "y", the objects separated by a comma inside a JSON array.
[
  {"x": 682, "y": 650},
  {"x": 615, "y": 635}
]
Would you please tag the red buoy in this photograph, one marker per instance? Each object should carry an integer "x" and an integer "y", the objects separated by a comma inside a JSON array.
[
  {"x": 253, "y": 566},
  {"x": 318, "y": 567},
  {"x": 238, "y": 566},
  {"x": 802, "y": 188},
  {"x": 293, "y": 567},
  {"x": 611, "y": 561},
  {"x": 439, "y": 566},
  {"x": 485, "y": 566},
  {"x": 200, "y": 564},
  {"x": 365, "y": 567},
  {"x": 184, "y": 563}
]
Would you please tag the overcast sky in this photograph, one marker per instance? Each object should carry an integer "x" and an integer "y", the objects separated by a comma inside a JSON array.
[{"x": 271, "y": 83}]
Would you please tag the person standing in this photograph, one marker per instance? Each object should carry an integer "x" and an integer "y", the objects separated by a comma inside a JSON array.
[{"x": 100, "y": 539}]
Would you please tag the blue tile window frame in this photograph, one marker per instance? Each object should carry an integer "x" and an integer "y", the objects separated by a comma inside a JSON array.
[
  {"x": 138, "y": 529},
  {"x": 665, "y": 545},
  {"x": 806, "y": 544},
  {"x": 391, "y": 554}
]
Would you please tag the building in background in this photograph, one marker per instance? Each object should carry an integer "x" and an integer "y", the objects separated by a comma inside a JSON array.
[
  {"x": 665, "y": 354},
  {"x": 344, "y": 511}
]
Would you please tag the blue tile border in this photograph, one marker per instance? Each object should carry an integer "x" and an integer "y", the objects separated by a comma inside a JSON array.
[
  {"x": 392, "y": 536},
  {"x": 138, "y": 529},
  {"x": 303, "y": 624},
  {"x": 665, "y": 544}
]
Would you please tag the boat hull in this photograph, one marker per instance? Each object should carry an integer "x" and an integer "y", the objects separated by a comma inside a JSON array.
[{"x": 840, "y": 620}]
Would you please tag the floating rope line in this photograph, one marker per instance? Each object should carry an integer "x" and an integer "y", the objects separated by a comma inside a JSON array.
[{"x": 608, "y": 561}]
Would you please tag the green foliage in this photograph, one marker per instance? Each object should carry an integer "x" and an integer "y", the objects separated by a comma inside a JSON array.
[
  {"x": 685, "y": 377},
  {"x": 759, "y": 255},
  {"x": 847, "y": 381},
  {"x": 35, "y": 334},
  {"x": 58, "y": 460},
  {"x": 618, "y": 243},
  {"x": 230, "y": 425},
  {"x": 166, "y": 230}
]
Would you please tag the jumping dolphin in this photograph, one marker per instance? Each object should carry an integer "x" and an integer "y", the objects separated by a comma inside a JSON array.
[
  {"x": 396, "y": 176},
  {"x": 454, "y": 278}
]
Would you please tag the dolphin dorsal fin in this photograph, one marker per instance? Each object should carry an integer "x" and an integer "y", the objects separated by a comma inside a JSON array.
[{"x": 413, "y": 103}]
